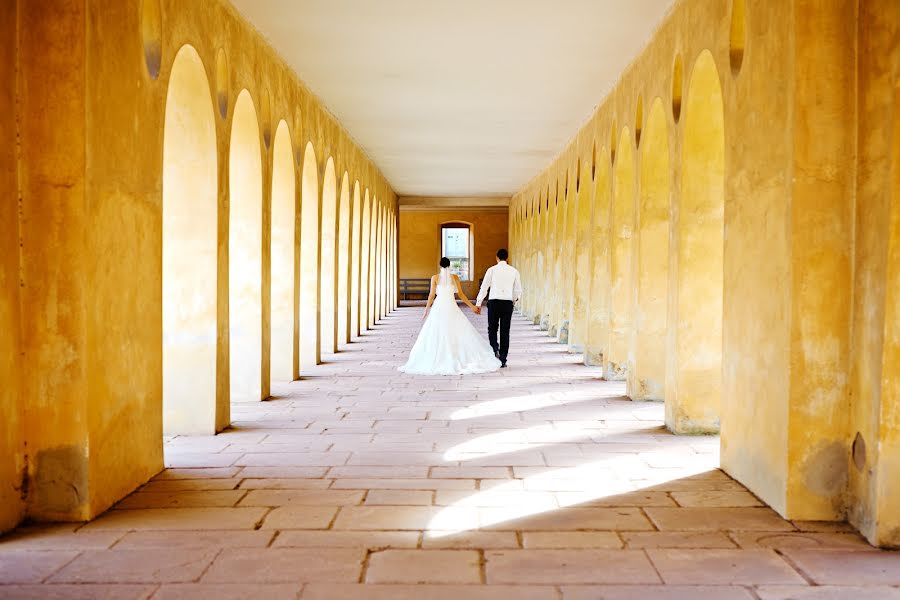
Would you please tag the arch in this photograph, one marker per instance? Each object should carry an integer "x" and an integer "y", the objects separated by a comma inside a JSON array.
[
  {"x": 567, "y": 259},
  {"x": 647, "y": 356},
  {"x": 310, "y": 314},
  {"x": 365, "y": 247},
  {"x": 151, "y": 36},
  {"x": 738, "y": 38},
  {"x": 189, "y": 228},
  {"x": 245, "y": 253},
  {"x": 373, "y": 258},
  {"x": 550, "y": 264},
  {"x": 285, "y": 363},
  {"x": 694, "y": 351},
  {"x": 598, "y": 308},
  {"x": 328, "y": 281},
  {"x": 343, "y": 263},
  {"x": 382, "y": 279},
  {"x": 223, "y": 83},
  {"x": 620, "y": 254},
  {"x": 355, "y": 264},
  {"x": 582, "y": 269},
  {"x": 677, "y": 86}
]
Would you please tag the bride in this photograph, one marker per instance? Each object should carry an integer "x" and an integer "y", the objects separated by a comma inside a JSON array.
[{"x": 448, "y": 343}]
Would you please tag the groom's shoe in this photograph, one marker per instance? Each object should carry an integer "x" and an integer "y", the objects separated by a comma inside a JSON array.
[{"x": 503, "y": 364}]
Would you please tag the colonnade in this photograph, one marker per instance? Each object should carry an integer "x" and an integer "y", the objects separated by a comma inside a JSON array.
[
  {"x": 318, "y": 300},
  {"x": 697, "y": 240}
]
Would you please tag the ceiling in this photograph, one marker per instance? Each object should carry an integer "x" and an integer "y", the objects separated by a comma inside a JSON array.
[{"x": 458, "y": 97}]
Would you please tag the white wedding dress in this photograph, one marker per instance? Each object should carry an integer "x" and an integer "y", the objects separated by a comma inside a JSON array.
[{"x": 448, "y": 344}]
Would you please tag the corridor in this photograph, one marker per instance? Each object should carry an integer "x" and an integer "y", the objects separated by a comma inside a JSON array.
[{"x": 536, "y": 482}]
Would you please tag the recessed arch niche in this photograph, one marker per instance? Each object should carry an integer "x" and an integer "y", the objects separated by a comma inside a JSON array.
[
  {"x": 738, "y": 39},
  {"x": 621, "y": 252},
  {"x": 677, "y": 86},
  {"x": 328, "y": 278},
  {"x": 310, "y": 321},
  {"x": 343, "y": 262},
  {"x": 189, "y": 229},
  {"x": 151, "y": 36},
  {"x": 365, "y": 250},
  {"x": 355, "y": 248},
  {"x": 223, "y": 83},
  {"x": 245, "y": 253},
  {"x": 598, "y": 307},
  {"x": 694, "y": 367},
  {"x": 647, "y": 360},
  {"x": 285, "y": 363},
  {"x": 638, "y": 120}
]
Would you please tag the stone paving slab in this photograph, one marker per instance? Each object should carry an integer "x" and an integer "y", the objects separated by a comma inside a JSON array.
[{"x": 536, "y": 482}]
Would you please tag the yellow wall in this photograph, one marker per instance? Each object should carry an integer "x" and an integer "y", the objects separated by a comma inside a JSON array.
[
  {"x": 875, "y": 350},
  {"x": 11, "y": 418},
  {"x": 420, "y": 241},
  {"x": 91, "y": 128},
  {"x": 790, "y": 356}
]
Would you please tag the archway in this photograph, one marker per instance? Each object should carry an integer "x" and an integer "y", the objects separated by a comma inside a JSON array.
[
  {"x": 647, "y": 359},
  {"x": 373, "y": 254},
  {"x": 694, "y": 352},
  {"x": 568, "y": 247},
  {"x": 582, "y": 268},
  {"x": 245, "y": 253},
  {"x": 355, "y": 249},
  {"x": 285, "y": 364},
  {"x": 343, "y": 263},
  {"x": 365, "y": 246},
  {"x": 598, "y": 308},
  {"x": 621, "y": 250},
  {"x": 328, "y": 282},
  {"x": 189, "y": 229},
  {"x": 376, "y": 262},
  {"x": 310, "y": 318},
  {"x": 550, "y": 279}
]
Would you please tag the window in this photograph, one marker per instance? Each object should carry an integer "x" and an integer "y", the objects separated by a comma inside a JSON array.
[{"x": 456, "y": 245}]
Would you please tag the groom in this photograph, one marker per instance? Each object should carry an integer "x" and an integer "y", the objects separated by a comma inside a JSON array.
[{"x": 505, "y": 289}]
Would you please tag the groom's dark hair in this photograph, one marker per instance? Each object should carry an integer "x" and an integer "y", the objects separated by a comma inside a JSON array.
[{"x": 502, "y": 254}]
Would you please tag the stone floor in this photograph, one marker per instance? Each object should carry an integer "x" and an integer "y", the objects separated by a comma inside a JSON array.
[{"x": 536, "y": 482}]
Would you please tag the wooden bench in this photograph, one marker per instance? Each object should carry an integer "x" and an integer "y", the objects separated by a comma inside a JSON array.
[{"x": 419, "y": 287}]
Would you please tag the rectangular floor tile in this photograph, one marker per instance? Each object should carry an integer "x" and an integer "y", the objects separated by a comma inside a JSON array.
[
  {"x": 843, "y": 567},
  {"x": 722, "y": 567},
  {"x": 286, "y": 565},
  {"x": 135, "y": 566},
  {"x": 554, "y": 567},
  {"x": 178, "y": 519},
  {"x": 718, "y": 519},
  {"x": 424, "y": 566},
  {"x": 427, "y": 592},
  {"x": 32, "y": 566}
]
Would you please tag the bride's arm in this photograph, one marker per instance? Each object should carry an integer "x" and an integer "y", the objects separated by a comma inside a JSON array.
[
  {"x": 430, "y": 298},
  {"x": 462, "y": 294}
]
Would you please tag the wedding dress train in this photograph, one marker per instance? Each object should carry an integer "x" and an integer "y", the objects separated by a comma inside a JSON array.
[{"x": 448, "y": 344}]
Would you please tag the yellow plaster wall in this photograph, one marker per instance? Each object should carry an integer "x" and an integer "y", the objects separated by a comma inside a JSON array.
[
  {"x": 789, "y": 105},
  {"x": 875, "y": 352},
  {"x": 91, "y": 129},
  {"x": 12, "y": 447},
  {"x": 420, "y": 241}
]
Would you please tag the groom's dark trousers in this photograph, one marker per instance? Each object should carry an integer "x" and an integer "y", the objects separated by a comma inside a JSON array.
[{"x": 500, "y": 317}]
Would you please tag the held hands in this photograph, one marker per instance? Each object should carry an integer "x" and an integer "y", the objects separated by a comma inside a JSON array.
[{"x": 476, "y": 309}]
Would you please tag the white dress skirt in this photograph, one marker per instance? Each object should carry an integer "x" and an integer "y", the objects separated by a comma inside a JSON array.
[{"x": 448, "y": 344}]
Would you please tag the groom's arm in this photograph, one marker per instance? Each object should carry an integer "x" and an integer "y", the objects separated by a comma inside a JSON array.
[
  {"x": 485, "y": 286},
  {"x": 517, "y": 288}
]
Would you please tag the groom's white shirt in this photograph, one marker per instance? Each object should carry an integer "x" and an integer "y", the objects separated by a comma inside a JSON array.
[{"x": 503, "y": 281}]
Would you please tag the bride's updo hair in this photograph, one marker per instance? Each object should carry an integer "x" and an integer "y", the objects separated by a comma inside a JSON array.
[{"x": 445, "y": 262}]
